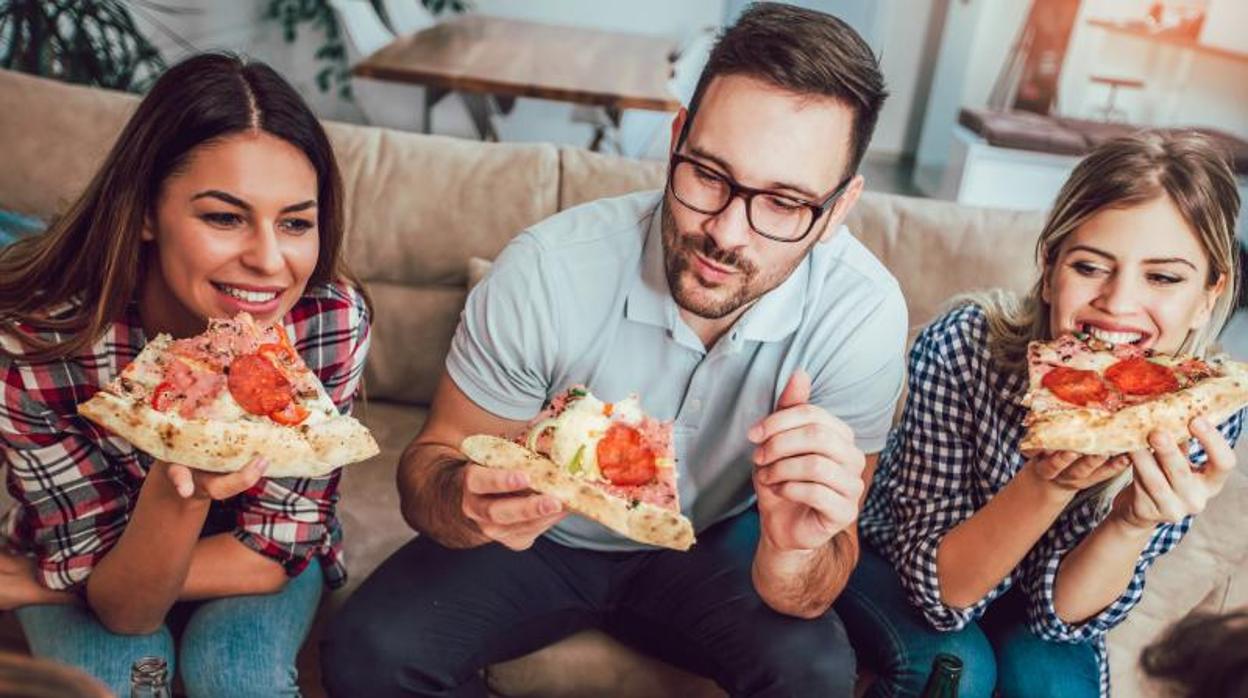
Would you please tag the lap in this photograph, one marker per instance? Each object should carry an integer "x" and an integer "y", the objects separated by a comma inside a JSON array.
[
  {"x": 699, "y": 609},
  {"x": 247, "y": 645}
]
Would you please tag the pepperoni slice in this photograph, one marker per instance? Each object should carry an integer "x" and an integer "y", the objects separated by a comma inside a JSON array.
[
  {"x": 258, "y": 385},
  {"x": 624, "y": 458},
  {"x": 290, "y": 415},
  {"x": 1139, "y": 376},
  {"x": 162, "y": 396},
  {"x": 1075, "y": 386}
]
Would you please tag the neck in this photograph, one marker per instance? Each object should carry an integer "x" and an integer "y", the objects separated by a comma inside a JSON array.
[{"x": 710, "y": 330}]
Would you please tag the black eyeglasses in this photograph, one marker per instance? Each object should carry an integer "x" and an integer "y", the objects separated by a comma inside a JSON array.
[{"x": 771, "y": 214}]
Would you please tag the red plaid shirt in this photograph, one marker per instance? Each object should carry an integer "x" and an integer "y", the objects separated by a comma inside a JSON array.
[{"x": 75, "y": 484}]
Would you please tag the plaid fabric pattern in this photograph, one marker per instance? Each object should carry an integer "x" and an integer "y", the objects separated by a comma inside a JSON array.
[
  {"x": 75, "y": 484},
  {"x": 956, "y": 447}
]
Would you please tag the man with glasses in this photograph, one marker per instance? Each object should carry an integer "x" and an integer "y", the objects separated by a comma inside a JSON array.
[{"x": 734, "y": 303}]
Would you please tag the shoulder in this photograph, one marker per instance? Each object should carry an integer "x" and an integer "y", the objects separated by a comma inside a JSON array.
[
  {"x": 958, "y": 336},
  {"x": 607, "y": 225}
]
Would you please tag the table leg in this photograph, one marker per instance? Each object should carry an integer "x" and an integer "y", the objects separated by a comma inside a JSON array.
[{"x": 432, "y": 96}]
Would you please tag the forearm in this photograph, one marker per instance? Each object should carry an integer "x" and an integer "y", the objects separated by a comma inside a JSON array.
[
  {"x": 1098, "y": 570},
  {"x": 804, "y": 583},
  {"x": 222, "y": 566},
  {"x": 430, "y": 481},
  {"x": 974, "y": 556},
  {"x": 138, "y": 580}
]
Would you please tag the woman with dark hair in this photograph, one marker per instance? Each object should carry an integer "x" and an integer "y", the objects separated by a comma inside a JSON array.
[
  {"x": 221, "y": 195},
  {"x": 1021, "y": 563}
]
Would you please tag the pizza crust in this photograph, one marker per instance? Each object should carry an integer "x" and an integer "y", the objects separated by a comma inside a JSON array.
[
  {"x": 1098, "y": 432},
  {"x": 223, "y": 447},
  {"x": 644, "y": 523}
]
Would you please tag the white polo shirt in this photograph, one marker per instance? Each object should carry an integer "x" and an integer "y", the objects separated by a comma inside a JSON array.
[{"x": 582, "y": 297}]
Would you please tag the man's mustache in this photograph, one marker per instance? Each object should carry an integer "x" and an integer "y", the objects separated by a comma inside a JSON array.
[{"x": 706, "y": 246}]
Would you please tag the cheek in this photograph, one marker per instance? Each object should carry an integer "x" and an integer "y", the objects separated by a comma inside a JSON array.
[
  {"x": 1068, "y": 293},
  {"x": 188, "y": 255},
  {"x": 302, "y": 253}
]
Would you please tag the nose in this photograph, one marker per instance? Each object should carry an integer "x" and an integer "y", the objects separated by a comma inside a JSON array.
[
  {"x": 730, "y": 228},
  {"x": 264, "y": 252},
  {"x": 1120, "y": 295}
]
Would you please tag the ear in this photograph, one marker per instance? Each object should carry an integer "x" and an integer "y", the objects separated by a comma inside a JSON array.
[
  {"x": 678, "y": 124},
  {"x": 1212, "y": 294},
  {"x": 841, "y": 207},
  {"x": 148, "y": 233}
]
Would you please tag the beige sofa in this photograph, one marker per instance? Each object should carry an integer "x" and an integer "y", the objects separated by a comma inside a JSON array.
[{"x": 419, "y": 207}]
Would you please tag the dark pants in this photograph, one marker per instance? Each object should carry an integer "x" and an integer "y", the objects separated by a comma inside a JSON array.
[
  {"x": 430, "y": 618},
  {"x": 999, "y": 654}
]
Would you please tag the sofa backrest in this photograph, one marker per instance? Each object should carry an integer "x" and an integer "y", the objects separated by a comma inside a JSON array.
[{"x": 419, "y": 206}]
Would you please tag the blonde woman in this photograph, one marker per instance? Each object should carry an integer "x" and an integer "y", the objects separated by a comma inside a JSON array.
[{"x": 1020, "y": 565}]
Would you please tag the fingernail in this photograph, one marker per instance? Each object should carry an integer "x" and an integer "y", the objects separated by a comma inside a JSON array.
[
  {"x": 1201, "y": 424},
  {"x": 519, "y": 480},
  {"x": 755, "y": 434},
  {"x": 549, "y": 506},
  {"x": 185, "y": 490},
  {"x": 262, "y": 464}
]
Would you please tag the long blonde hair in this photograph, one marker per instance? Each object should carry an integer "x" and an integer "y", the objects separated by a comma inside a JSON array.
[{"x": 1121, "y": 173}]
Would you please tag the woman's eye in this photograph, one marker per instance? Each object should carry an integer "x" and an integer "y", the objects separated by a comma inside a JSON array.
[
  {"x": 1086, "y": 268},
  {"x": 224, "y": 220},
  {"x": 298, "y": 226},
  {"x": 1165, "y": 279}
]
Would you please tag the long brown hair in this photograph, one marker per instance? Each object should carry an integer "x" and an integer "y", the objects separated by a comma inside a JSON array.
[
  {"x": 1121, "y": 173},
  {"x": 90, "y": 261}
]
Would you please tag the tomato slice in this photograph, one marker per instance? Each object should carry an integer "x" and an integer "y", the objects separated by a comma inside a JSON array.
[
  {"x": 624, "y": 458},
  {"x": 1075, "y": 386},
  {"x": 290, "y": 415},
  {"x": 1139, "y": 376},
  {"x": 258, "y": 385},
  {"x": 161, "y": 396}
]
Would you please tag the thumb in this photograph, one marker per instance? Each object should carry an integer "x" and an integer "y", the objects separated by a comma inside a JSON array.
[{"x": 796, "y": 392}]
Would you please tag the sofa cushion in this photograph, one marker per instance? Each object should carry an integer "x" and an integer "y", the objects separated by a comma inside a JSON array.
[
  {"x": 412, "y": 329},
  {"x": 586, "y": 176}
]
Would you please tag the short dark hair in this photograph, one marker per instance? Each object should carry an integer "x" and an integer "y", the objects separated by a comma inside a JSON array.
[
  {"x": 803, "y": 51},
  {"x": 1202, "y": 655}
]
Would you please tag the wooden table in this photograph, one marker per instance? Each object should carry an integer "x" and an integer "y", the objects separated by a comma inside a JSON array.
[{"x": 479, "y": 56}]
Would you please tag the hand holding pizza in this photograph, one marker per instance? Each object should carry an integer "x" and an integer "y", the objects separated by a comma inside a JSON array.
[
  {"x": 1166, "y": 488},
  {"x": 503, "y": 507},
  {"x": 191, "y": 483},
  {"x": 809, "y": 474},
  {"x": 1071, "y": 472}
]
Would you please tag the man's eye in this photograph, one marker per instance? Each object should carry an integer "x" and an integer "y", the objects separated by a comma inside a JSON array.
[
  {"x": 781, "y": 204},
  {"x": 706, "y": 175}
]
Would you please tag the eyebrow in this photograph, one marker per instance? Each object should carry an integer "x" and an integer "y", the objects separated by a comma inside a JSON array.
[
  {"x": 1155, "y": 260},
  {"x": 811, "y": 196},
  {"x": 235, "y": 201}
]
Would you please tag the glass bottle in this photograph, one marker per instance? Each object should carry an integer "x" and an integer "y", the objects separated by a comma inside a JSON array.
[
  {"x": 943, "y": 681},
  {"x": 149, "y": 678}
]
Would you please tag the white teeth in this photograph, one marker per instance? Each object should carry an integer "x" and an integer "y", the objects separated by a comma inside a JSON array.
[
  {"x": 248, "y": 296},
  {"x": 1114, "y": 337}
]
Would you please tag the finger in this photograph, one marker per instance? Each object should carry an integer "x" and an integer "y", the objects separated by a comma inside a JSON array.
[
  {"x": 827, "y": 503},
  {"x": 796, "y": 391},
  {"x": 521, "y": 537},
  {"x": 813, "y": 469},
  {"x": 230, "y": 484},
  {"x": 817, "y": 439},
  {"x": 1153, "y": 483},
  {"x": 509, "y": 511},
  {"x": 793, "y": 418},
  {"x": 479, "y": 479},
  {"x": 1084, "y": 466},
  {"x": 183, "y": 481},
  {"x": 1221, "y": 457},
  {"x": 1174, "y": 462},
  {"x": 1050, "y": 465}
]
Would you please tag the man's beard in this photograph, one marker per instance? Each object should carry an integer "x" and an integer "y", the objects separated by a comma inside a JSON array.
[{"x": 717, "y": 302}]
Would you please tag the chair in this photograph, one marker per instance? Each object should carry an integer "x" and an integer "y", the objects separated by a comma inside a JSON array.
[{"x": 407, "y": 16}]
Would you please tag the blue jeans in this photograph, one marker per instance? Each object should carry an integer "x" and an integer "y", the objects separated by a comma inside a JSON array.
[
  {"x": 233, "y": 646},
  {"x": 892, "y": 638}
]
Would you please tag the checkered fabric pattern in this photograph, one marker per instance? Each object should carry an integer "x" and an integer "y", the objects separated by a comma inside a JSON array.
[
  {"x": 956, "y": 447},
  {"x": 75, "y": 484}
]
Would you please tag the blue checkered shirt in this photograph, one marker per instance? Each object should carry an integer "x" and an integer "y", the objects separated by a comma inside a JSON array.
[{"x": 956, "y": 447}]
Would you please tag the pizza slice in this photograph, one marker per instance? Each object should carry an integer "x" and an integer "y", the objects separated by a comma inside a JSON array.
[
  {"x": 1093, "y": 397},
  {"x": 219, "y": 399},
  {"x": 606, "y": 461}
]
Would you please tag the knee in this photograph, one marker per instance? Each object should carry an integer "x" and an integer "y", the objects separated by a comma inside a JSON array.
[
  {"x": 909, "y": 665},
  {"x": 244, "y": 672},
  {"x": 1071, "y": 671},
  {"x": 806, "y": 658}
]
